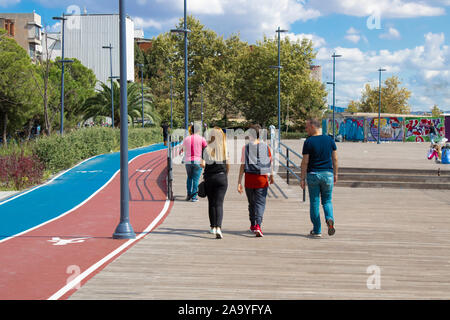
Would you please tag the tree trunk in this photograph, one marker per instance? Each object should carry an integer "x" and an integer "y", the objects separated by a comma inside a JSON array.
[
  {"x": 29, "y": 129},
  {"x": 5, "y": 125}
]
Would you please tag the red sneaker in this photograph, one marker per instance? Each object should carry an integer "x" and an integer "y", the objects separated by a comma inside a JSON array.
[
  {"x": 252, "y": 229},
  {"x": 258, "y": 231}
]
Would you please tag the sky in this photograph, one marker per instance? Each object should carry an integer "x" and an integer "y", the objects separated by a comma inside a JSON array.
[{"x": 408, "y": 38}]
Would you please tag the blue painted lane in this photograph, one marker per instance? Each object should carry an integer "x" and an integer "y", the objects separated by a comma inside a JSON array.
[{"x": 30, "y": 209}]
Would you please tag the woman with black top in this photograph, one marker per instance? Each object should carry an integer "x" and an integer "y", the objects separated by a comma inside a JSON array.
[{"x": 215, "y": 176}]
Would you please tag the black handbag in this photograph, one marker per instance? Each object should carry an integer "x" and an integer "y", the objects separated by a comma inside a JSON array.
[{"x": 202, "y": 189}]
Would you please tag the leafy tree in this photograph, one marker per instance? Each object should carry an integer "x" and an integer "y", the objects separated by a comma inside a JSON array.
[
  {"x": 258, "y": 87},
  {"x": 100, "y": 104},
  {"x": 435, "y": 111},
  {"x": 394, "y": 99},
  {"x": 17, "y": 97}
]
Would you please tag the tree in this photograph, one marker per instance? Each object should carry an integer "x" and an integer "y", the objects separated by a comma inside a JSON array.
[
  {"x": 100, "y": 104},
  {"x": 17, "y": 97},
  {"x": 394, "y": 99},
  {"x": 435, "y": 111},
  {"x": 258, "y": 88}
]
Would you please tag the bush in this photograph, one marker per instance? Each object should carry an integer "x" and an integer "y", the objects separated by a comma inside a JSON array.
[
  {"x": 27, "y": 164},
  {"x": 294, "y": 135},
  {"x": 60, "y": 153},
  {"x": 19, "y": 171}
]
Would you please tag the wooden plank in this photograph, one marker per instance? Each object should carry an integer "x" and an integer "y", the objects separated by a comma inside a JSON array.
[{"x": 406, "y": 233}]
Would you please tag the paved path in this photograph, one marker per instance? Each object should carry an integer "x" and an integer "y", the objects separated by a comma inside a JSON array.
[
  {"x": 60, "y": 250},
  {"x": 399, "y": 237}
]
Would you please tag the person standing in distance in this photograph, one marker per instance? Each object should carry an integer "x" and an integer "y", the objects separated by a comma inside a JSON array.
[
  {"x": 192, "y": 147},
  {"x": 320, "y": 170}
]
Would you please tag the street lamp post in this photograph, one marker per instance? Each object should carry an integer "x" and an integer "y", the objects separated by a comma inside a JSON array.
[
  {"x": 201, "y": 108},
  {"x": 279, "y": 67},
  {"x": 141, "y": 68},
  {"x": 110, "y": 47},
  {"x": 334, "y": 56},
  {"x": 171, "y": 105},
  {"x": 62, "y": 61},
  {"x": 379, "y": 104},
  {"x": 186, "y": 87},
  {"x": 124, "y": 230}
]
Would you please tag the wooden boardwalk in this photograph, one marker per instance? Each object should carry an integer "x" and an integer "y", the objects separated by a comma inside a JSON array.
[{"x": 403, "y": 234}]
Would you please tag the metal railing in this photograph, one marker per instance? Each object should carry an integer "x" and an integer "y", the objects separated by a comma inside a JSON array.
[{"x": 290, "y": 163}]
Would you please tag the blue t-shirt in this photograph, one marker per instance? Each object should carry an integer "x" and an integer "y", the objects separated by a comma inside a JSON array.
[{"x": 319, "y": 149}]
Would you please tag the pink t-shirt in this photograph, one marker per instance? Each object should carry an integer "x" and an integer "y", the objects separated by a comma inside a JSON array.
[{"x": 193, "y": 147}]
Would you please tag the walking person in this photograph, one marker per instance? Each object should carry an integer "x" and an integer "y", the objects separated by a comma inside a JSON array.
[
  {"x": 216, "y": 164},
  {"x": 165, "y": 130},
  {"x": 320, "y": 169},
  {"x": 256, "y": 164},
  {"x": 433, "y": 133},
  {"x": 192, "y": 147}
]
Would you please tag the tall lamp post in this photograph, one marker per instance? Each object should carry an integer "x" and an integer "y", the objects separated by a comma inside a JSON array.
[
  {"x": 124, "y": 230},
  {"x": 112, "y": 78},
  {"x": 201, "y": 108},
  {"x": 141, "y": 68},
  {"x": 185, "y": 30},
  {"x": 62, "y": 61},
  {"x": 379, "y": 104},
  {"x": 110, "y": 47},
  {"x": 334, "y": 56},
  {"x": 171, "y": 105},
  {"x": 279, "y": 67}
]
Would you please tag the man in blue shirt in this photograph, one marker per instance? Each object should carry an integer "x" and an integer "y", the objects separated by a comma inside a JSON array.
[{"x": 320, "y": 170}]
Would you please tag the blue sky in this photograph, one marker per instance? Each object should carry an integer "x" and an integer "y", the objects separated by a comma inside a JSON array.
[{"x": 410, "y": 38}]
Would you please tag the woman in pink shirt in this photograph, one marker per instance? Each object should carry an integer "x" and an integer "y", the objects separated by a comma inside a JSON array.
[{"x": 193, "y": 146}]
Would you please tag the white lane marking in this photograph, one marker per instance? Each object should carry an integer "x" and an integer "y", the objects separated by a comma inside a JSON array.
[
  {"x": 74, "y": 208},
  {"x": 76, "y": 281},
  {"x": 46, "y": 183}
]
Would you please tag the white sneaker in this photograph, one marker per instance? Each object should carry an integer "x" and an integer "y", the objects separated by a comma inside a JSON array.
[
  {"x": 213, "y": 230},
  {"x": 219, "y": 234}
]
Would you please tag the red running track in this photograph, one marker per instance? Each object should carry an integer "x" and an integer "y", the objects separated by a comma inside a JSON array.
[{"x": 41, "y": 263}]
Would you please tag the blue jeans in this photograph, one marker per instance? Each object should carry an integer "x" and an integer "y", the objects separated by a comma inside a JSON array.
[
  {"x": 194, "y": 171},
  {"x": 320, "y": 187},
  {"x": 256, "y": 204}
]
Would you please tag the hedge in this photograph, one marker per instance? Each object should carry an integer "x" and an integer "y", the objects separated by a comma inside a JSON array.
[{"x": 57, "y": 153}]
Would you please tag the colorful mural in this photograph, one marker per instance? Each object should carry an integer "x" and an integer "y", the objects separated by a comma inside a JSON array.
[
  {"x": 391, "y": 129},
  {"x": 339, "y": 125},
  {"x": 354, "y": 129},
  {"x": 418, "y": 129}
]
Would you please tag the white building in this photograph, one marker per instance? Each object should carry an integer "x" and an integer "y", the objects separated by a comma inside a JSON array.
[{"x": 84, "y": 37}]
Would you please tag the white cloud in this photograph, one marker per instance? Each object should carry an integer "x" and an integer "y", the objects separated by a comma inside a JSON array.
[
  {"x": 391, "y": 34},
  {"x": 318, "y": 42},
  {"x": 385, "y": 8},
  {"x": 424, "y": 70},
  {"x": 353, "y": 35},
  {"x": 7, "y": 3}
]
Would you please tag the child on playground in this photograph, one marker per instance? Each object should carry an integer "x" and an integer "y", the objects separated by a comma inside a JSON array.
[{"x": 435, "y": 152}]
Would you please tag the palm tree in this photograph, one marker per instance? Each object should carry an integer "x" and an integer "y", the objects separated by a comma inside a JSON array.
[{"x": 100, "y": 104}]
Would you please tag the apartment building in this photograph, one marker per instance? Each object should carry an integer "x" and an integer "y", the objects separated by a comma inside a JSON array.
[{"x": 25, "y": 28}]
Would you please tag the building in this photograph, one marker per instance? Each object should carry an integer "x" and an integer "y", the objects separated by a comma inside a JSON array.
[
  {"x": 144, "y": 44},
  {"x": 84, "y": 38},
  {"x": 316, "y": 73},
  {"x": 25, "y": 28}
]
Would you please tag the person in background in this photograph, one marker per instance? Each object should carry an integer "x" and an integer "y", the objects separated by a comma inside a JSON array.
[
  {"x": 192, "y": 147},
  {"x": 433, "y": 133},
  {"x": 216, "y": 164},
  {"x": 165, "y": 129},
  {"x": 320, "y": 170},
  {"x": 256, "y": 164}
]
